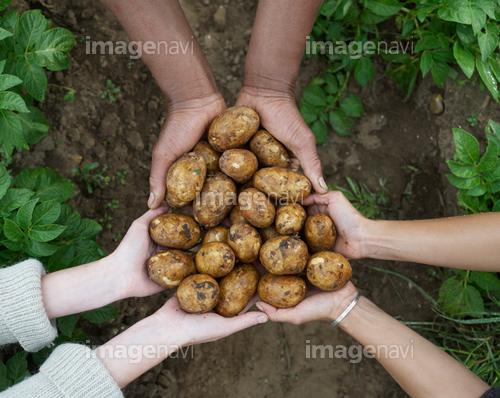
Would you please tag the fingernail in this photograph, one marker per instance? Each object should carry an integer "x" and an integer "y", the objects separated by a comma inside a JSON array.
[
  {"x": 151, "y": 199},
  {"x": 259, "y": 307},
  {"x": 262, "y": 319},
  {"x": 322, "y": 183}
]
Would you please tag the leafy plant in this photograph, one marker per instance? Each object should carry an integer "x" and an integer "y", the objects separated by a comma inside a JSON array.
[
  {"x": 28, "y": 43},
  {"x": 97, "y": 180},
  {"x": 121, "y": 176},
  {"x": 473, "y": 119},
  {"x": 110, "y": 91},
  {"x": 375, "y": 205},
  {"x": 14, "y": 371},
  {"x": 106, "y": 219}
]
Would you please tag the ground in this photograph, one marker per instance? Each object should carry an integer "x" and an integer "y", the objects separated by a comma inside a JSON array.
[{"x": 268, "y": 360}]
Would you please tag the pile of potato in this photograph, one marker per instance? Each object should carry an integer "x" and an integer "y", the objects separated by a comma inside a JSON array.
[{"x": 266, "y": 223}]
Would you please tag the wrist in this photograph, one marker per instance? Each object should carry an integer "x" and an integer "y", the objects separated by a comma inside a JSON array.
[
  {"x": 344, "y": 297},
  {"x": 260, "y": 85}
]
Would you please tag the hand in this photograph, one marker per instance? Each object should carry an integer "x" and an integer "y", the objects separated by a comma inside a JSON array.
[
  {"x": 280, "y": 116},
  {"x": 317, "y": 306},
  {"x": 131, "y": 255},
  {"x": 185, "y": 125},
  {"x": 350, "y": 223}
]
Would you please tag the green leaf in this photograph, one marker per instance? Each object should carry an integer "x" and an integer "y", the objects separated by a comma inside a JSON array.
[
  {"x": 496, "y": 206},
  {"x": 11, "y": 130},
  {"x": 45, "y": 233},
  {"x": 314, "y": 95},
  {"x": 5, "y": 180},
  {"x": 490, "y": 158},
  {"x": 478, "y": 18},
  {"x": 487, "y": 6},
  {"x": 61, "y": 259},
  {"x": 455, "y": 11},
  {"x": 52, "y": 47},
  {"x": 486, "y": 280},
  {"x": 25, "y": 213},
  {"x": 332, "y": 85},
  {"x": 309, "y": 112},
  {"x": 471, "y": 203},
  {"x": 341, "y": 122},
  {"x": 67, "y": 324},
  {"x": 440, "y": 71},
  {"x": 17, "y": 366},
  {"x": 8, "y": 81},
  {"x": 12, "y": 230},
  {"x": 466, "y": 35},
  {"x": 384, "y": 7},
  {"x": 462, "y": 170},
  {"x": 478, "y": 190},
  {"x": 14, "y": 198},
  {"x": 426, "y": 62},
  {"x": 35, "y": 127},
  {"x": 488, "y": 40},
  {"x": 428, "y": 41},
  {"x": 352, "y": 106},
  {"x": 364, "y": 71},
  {"x": 47, "y": 212},
  {"x": 4, "y": 382},
  {"x": 51, "y": 185},
  {"x": 494, "y": 62},
  {"x": 424, "y": 10},
  {"x": 100, "y": 315},
  {"x": 466, "y": 146},
  {"x": 320, "y": 131},
  {"x": 464, "y": 58},
  {"x": 463, "y": 183},
  {"x": 34, "y": 78},
  {"x": 493, "y": 187},
  {"x": 31, "y": 26},
  {"x": 4, "y": 4},
  {"x": 493, "y": 175},
  {"x": 458, "y": 297},
  {"x": 408, "y": 26},
  {"x": 12, "y": 101},
  {"x": 487, "y": 77},
  {"x": 39, "y": 249}
]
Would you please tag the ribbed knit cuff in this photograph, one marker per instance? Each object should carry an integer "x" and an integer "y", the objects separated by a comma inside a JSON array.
[
  {"x": 77, "y": 372},
  {"x": 21, "y": 307}
]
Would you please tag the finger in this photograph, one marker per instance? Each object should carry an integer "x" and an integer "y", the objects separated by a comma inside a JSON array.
[
  {"x": 150, "y": 215},
  {"x": 277, "y": 315},
  {"x": 240, "y": 322}
]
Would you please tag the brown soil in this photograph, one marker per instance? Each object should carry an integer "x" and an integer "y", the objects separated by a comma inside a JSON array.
[{"x": 269, "y": 360}]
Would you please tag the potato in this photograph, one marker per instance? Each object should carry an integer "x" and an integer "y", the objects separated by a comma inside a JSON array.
[
  {"x": 245, "y": 242},
  {"x": 236, "y": 216},
  {"x": 269, "y": 151},
  {"x": 233, "y": 128},
  {"x": 236, "y": 289},
  {"x": 198, "y": 293},
  {"x": 290, "y": 219},
  {"x": 283, "y": 291},
  {"x": 169, "y": 267},
  {"x": 256, "y": 208},
  {"x": 268, "y": 233},
  {"x": 239, "y": 164},
  {"x": 185, "y": 177},
  {"x": 284, "y": 185},
  {"x": 215, "y": 200},
  {"x": 284, "y": 255},
  {"x": 319, "y": 233},
  {"x": 174, "y": 202},
  {"x": 215, "y": 259},
  {"x": 176, "y": 231},
  {"x": 328, "y": 270},
  {"x": 211, "y": 157},
  {"x": 216, "y": 234}
]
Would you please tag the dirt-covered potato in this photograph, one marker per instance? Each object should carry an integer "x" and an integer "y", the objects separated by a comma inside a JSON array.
[
  {"x": 215, "y": 259},
  {"x": 284, "y": 255},
  {"x": 284, "y": 185},
  {"x": 174, "y": 202},
  {"x": 269, "y": 151},
  {"x": 236, "y": 216},
  {"x": 239, "y": 164},
  {"x": 233, "y": 128},
  {"x": 282, "y": 291},
  {"x": 211, "y": 157},
  {"x": 216, "y": 234},
  {"x": 169, "y": 267},
  {"x": 256, "y": 208},
  {"x": 328, "y": 270},
  {"x": 290, "y": 219},
  {"x": 236, "y": 289},
  {"x": 185, "y": 178},
  {"x": 268, "y": 233},
  {"x": 245, "y": 242},
  {"x": 215, "y": 200},
  {"x": 319, "y": 233},
  {"x": 198, "y": 293},
  {"x": 176, "y": 231}
]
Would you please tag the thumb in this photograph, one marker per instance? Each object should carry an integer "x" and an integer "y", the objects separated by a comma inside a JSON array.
[{"x": 277, "y": 314}]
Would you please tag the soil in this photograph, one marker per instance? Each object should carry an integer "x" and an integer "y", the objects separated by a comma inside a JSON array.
[{"x": 268, "y": 360}]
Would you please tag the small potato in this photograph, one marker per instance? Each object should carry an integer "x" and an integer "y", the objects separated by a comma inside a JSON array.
[
  {"x": 328, "y": 270},
  {"x": 216, "y": 234},
  {"x": 233, "y": 128},
  {"x": 284, "y": 185},
  {"x": 198, "y": 293},
  {"x": 185, "y": 177},
  {"x": 236, "y": 216},
  {"x": 176, "y": 231},
  {"x": 215, "y": 259},
  {"x": 284, "y": 255},
  {"x": 290, "y": 219},
  {"x": 320, "y": 233},
  {"x": 169, "y": 267},
  {"x": 269, "y": 151},
  {"x": 215, "y": 201},
  {"x": 256, "y": 208},
  {"x": 245, "y": 242},
  {"x": 239, "y": 164},
  {"x": 283, "y": 291},
  {"x": 236, "y": 289},
  {"x": 268, "y": 233},
  {"x": 211, "y": 157}
]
